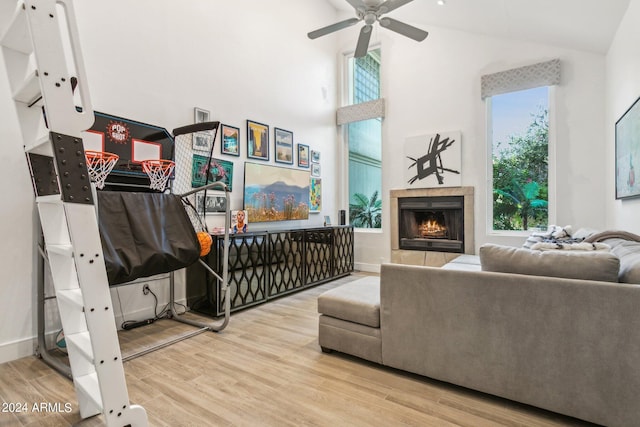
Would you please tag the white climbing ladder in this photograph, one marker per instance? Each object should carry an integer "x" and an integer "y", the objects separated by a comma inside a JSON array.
[{"x": 41, "y": 50}]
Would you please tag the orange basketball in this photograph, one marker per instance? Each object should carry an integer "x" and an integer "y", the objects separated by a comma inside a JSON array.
[{"x": 205, "y": 242}]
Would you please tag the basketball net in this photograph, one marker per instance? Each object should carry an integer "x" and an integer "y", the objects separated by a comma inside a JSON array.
[
  {"x": 159, "y": 172},
  {"x": 100, "y": 164}
]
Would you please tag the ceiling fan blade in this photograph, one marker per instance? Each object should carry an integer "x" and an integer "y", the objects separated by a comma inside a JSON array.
[
  {"x": 363, "y": 42},
  {"x": 390, "y": 5},
  {"x": 405, "y": 29},
  {"x": 332, "y": 28}
]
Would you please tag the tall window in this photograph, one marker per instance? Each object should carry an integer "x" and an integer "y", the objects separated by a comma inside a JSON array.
[
  {"x": 519, "y": 129},
  {"x": 365, "y": 144}
]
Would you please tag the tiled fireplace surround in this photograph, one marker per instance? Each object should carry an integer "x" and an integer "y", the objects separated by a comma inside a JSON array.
[{"x": 431, "y": 258}]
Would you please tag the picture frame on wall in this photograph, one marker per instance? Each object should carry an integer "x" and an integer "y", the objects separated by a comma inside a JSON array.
[
  {"x": 205, "y": 170},
  {"x": 315, "y": 169},
  {"x": 230, "y": 140},
  {"x": 275, "y": 193},
  {"x": 201, "y": 141},
  {"x": 315, "y": 195},
  {"x": 303, "y": 156},
  {"x": 628, "y": 153},
  {"x": 315, "y": 156},
  {"x": 200, "y": 115},
  {"x": 257, "y": 140},
  {"x": 283, "y": 140},
  {"x": 212, "y": 203},
  {"x": 443, "y": 149}
]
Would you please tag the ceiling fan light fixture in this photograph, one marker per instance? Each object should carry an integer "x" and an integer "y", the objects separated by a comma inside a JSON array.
[
  {"x": 441, "y": 2},
  {"x": 370, "y": 18},
  {"x": 371, "y": 11}
]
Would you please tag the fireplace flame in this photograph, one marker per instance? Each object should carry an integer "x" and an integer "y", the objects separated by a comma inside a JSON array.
[{"x": 433, "y": 229}]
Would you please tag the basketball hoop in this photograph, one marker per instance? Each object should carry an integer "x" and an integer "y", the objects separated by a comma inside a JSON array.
[
  {"x": 159, "y": 172},
  {"x": 100, "y": 164}
]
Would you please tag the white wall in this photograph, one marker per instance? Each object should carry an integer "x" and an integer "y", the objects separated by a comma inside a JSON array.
[
  {"x": 435, "y": 86},
  {"x": 623, "y": 88},
  {"x": 155, "y": 61}
]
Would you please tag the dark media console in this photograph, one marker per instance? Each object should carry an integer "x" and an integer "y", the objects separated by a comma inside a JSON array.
[{"x": 265, "y": 265}]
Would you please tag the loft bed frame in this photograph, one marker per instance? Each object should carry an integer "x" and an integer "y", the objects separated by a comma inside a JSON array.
[{"x": 56, "y": 362}]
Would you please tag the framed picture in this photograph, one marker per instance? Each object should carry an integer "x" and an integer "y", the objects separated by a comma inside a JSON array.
[
  {"x": 284, "y": 146},
  {"x": 202, "y": 141},
  {"x": 327, "y": 220},
  {"x": 303, "y": 156},
  {"x": 230, "y": 143},
  {"x": 628, "y": 153},
  {"x": 257, "y": 140},
  {"x": 218, "y": 170},
  {"x": 212, "y": 204},
  {"x": 315, "y": 169},
  {"x": 239, "y": 221},
  {"x": 315, "y": 195},
  {"x": 275, "y": 193},
  {"x": 315, "y": 156},
  {"x": 200, "y": 115},
  {"x": 433, "y": 160}
]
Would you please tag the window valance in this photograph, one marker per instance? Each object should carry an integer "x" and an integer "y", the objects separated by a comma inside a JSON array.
[
  {"x": 363, "y": 111},
  {"x": 527, "y": 77}
]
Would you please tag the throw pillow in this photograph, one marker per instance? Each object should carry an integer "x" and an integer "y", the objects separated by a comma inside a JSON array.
[{"x": 602, "y": 266}]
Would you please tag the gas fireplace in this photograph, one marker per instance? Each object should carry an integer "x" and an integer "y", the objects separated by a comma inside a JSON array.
[
  {"x": 431, "y": 223},
  {"x": 431, "y": 226}
]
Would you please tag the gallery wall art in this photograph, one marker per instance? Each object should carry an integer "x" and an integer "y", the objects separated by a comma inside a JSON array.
[
  {"x": 202, "y": 141},
  {"x": 303, "y": 156},
  {"x": 218, "y": 170},
  {"x": 283, "y": 140},
  {"x": 257, "y": 140},
  {"x": 433, "y": 160},
  {"x": 273, "y": 193},
  {"x": 212, "y": 203},
  {"x": 315, "y": 195},
  {"x": 230, "y": 140}
]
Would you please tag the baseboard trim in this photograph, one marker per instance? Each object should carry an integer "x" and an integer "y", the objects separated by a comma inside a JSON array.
[{"x": 17, "y": 349}]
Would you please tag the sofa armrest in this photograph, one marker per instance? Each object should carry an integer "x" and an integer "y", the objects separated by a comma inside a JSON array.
[{"x": 570, "y": 346}]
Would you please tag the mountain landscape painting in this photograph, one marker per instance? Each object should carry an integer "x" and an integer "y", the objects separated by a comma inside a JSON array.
[{"x": 274, "y": 193}]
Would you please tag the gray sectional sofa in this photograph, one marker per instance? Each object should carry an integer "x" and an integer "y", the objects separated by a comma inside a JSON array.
[{"x": 569, "y": 344}]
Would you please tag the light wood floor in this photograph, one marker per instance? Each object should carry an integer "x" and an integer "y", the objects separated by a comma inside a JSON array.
[{"x": 265, "y": 369}]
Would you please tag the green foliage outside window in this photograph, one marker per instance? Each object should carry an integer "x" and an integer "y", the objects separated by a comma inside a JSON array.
[
  {"x": 520, "y": 178},
  {"x": 366, "y": 212}
]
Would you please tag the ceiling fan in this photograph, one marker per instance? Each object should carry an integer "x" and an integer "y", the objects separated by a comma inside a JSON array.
[{"x": 371, "y": 11}]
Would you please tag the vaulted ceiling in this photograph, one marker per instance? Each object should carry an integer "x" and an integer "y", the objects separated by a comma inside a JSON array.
[{"x": 588, "y": 25}]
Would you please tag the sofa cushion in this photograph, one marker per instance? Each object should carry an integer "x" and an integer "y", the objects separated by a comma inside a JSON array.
[
  {"x": 629, "y": 254},
  {"x": 603, "y": 266},
  {"x": 357, "y": 301}
]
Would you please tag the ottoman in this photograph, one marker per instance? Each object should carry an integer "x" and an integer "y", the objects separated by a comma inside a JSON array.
[{"x": 350, "y": 319}]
